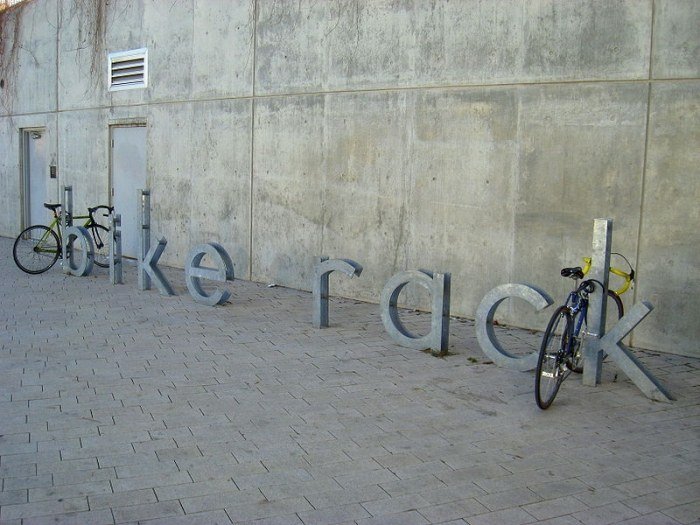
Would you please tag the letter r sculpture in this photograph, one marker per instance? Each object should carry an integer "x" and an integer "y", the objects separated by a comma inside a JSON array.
[{"x": 322, "y": 270}]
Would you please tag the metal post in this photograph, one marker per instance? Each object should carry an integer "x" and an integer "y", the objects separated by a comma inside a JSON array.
[
  {"x": 144, "y": 197},
  {"x": 115, "y": 250},
  {"x": 66, "y": 222},
  {"x": 600, "y": 263}
]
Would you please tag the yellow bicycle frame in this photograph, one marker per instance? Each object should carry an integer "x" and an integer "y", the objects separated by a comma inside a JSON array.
[{"x": 616, "y": 271}]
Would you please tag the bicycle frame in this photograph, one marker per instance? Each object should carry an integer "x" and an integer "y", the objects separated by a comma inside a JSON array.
[
  {"x": 577, "y": 303},
  {"x": 55, "y": 226}
]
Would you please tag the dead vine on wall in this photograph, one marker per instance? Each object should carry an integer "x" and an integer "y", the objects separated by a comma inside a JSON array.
[
  {"x": 92, "y": 29},
  {"x": 10, "y": 44}
]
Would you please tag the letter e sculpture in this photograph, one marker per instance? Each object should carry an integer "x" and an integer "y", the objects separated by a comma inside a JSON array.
[{"x": 222, "y": 273}]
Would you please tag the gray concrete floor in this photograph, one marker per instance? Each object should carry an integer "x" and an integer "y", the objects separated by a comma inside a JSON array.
[{"x": 122, "y": 406}]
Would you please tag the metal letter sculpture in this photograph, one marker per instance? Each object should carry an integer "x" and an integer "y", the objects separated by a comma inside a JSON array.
[
  {"x": 597, "y": 301},
  {"x": 144, "y": 198},
  {"x": 485, "y": 333},
  {"x": 626, "y": 360},
  {"x": 149, "y": 265},
  {"x": 70, "y": 235},
  {"x": 598, "y": 341},
  {"x": 322, "y": 270},
  {"x": 438, "y": 284},
  {"x": 115, "y": 249},
  {"x": 66, "y": 221},
  {"x": 194, "y": 272}
]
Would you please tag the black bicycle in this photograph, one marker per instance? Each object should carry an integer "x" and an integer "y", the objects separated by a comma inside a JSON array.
[
  {"x": 562, "y": 345},
  {"x": 38, "y": 247}
]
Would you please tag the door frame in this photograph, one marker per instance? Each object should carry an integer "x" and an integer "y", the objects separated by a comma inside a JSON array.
[
  {"x": 122, "y": 123},
  {"x": 24, "y": 176}
]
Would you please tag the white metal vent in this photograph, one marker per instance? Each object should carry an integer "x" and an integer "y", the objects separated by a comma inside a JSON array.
[{"x": 128, "y": 69}]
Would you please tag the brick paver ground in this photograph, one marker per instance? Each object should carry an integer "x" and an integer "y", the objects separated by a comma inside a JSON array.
[{"x": 122, "y": 406}]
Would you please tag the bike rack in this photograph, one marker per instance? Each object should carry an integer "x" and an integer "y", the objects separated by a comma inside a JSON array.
[
  {"x": 144, "y": 197},
  {"x": 115, "y": 250},
  {"x": 611, "y": 342},
  {"x": 66, "y": 221}
]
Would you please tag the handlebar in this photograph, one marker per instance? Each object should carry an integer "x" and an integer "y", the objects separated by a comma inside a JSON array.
[
  {"x": 627, "y": 276},
  {"x": 57, "y": 206},
  {"x": 109, "y": 209}
]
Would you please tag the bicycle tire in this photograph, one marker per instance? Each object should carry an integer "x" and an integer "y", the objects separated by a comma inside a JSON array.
[
  {"x": 100, "y": 240},
  {"x": 551, "y": 370},
  {"x": 35, "y": 251},
  {"x": 614, "y": 314}
]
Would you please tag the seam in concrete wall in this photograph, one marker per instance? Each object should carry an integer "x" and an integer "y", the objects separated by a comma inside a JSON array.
[{"x": 252, "y": 144}]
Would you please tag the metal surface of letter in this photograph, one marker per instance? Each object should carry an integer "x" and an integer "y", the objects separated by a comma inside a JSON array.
[
  {"x": 595, "y": 317},
  {"x": 322, "y": 270},
  {"x": 144, "y": 198},
  {"x": 149, "y": 265},
  {"x": 115, "y": 249},
  {"x": 70, "y": 235},
  {"x": 438, "y": 284},
  {"x": 485, "y": 333},
  {"x": 66, "y": 221},
  {"x": 222, "y": 273},
  {"x": 626, "y": 360}
]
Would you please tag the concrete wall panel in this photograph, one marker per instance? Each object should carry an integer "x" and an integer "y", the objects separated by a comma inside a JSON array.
[
  {"x": 10, "y": 195},
  {"x": 393, "y": 180},
  {"x": 669, "y": 269},
  {"x": 349, "y": 44},
  {"x": 199, "y": 50},
  {"x": 676, "y": 39},
  {"x": 79, "y": 166},
  {"x": 28, "y": 59},
  {"x": 201, "y": 182},
  {"x": 581, "y": 156}
]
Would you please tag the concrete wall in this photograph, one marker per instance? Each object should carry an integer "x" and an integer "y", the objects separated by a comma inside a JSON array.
[{"x": 479, "y": 137}]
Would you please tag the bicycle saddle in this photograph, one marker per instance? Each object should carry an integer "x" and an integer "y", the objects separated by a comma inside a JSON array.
[
  {"x": 52, "y": 207},
  {"x": 574, "y": 273}
]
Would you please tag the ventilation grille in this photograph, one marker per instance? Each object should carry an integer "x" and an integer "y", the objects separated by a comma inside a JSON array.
[{"x": 128, "y": 70}]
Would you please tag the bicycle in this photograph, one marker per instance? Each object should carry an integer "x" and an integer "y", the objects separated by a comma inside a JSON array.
[
  {"x": 38, "y": 247},
  {"x": 560, "y": 352}
]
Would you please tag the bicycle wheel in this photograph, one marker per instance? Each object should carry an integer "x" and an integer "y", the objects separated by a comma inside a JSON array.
[
  {"x": 551, "y": 368},
  {"x": 36, "y": 249},
  {"x": 618, "y": 310},
  {"x": 614, "y": 314},
  {"x": 101, "y": 239}
]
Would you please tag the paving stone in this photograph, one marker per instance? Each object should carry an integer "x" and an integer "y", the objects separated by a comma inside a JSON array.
[
  {"x": 43, "y": 508},
  {"x": 163, "y": 509},
  {"x": 334, "y": 515},
  {"x": 61, "y": 492},
  {"x": 122, "y": 499},
  {"x": 93, "y": 517},
  {"x": 514, "y": 516},
  {"x": 452, "y": 511},
  {"x": 217, "y": 517},
  {"x": 554, "y": 508},
  {"x": 403, "y": 518}
]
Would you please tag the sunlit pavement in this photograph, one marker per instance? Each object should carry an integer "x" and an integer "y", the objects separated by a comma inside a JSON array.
[{"x": 123, "y": 406}]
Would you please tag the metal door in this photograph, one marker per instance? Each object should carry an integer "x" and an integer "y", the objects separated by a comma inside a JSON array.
[
  {"x": 35, "y": 175},
  {"x": 128, "y": 173}
]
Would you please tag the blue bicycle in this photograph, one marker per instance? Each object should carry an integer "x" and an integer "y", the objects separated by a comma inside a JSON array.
[{"x": 560, "y": 353}]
